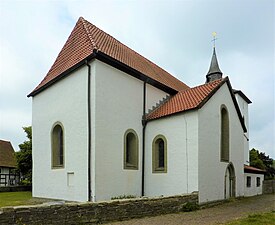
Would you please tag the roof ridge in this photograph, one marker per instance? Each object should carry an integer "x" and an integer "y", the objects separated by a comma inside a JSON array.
[
  {"x": 85, "y": 39},
  {"x": 83, "y": 21},
  {"x": 148, "y": 61},
  {"x": 188, "y": 99},
  {"x": 201, "y": 85},
  {"x": 4, "y": 141}
]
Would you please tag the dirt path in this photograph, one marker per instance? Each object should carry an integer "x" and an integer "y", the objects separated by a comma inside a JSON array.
[{"x": 215, "y": 215}]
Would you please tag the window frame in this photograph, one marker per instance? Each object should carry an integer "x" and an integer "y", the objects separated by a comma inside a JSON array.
[
  {"x": 224, "y": 135},
  {"x": 258, "y": 182},
  {"x": 53, "y": 150},
  {"x": 155, "y": 155},
  {"x": 248, "y": 181},
  {"x": 134, "y": 165}
]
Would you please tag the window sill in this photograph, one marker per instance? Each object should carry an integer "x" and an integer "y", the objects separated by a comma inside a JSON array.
[
  {"x": 130, "y": 167},
  {"x": 225, "y": 160},
  {"x": 160, "y": 170},
  {"x": 57, "y": 167}
]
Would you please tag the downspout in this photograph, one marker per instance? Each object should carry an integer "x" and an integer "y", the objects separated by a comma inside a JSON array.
[
  {"x": 144, "y": 122},
  {"x": 89, "y": 129},
  {"x": 186, "y": 154}
]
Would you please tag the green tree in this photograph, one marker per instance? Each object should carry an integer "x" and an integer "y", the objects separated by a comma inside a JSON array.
[
  {"x": 24, "y": 156},
  {"x": 255, "y": 160},
  {"x": 262, "y": 161}
]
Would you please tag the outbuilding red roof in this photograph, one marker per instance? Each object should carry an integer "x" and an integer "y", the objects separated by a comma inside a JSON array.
[
  {"x": 7, "y": 157},
  {"x": 253, "y": 169},
  {"x": 186, "y": 100},
  {"x": 86, "y": 39}
]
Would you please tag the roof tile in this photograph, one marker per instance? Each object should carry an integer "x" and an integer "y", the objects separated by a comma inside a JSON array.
[
  {"x": 87, "y": 38},
  {"x": 251, "y": 168},
  {"x": 186, "y": 100}
]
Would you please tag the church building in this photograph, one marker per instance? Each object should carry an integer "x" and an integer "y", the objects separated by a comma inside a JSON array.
[{"x": 108, "y": 122}]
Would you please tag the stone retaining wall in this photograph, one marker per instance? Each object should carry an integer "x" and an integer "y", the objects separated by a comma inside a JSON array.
[
  {"x": 268, "y": 186},
  {"x": 95, "y": 213}
]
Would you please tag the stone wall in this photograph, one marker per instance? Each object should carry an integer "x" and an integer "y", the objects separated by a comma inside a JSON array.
[
  {"x": 268, "y": 186},
  {"x": 95, "y": 213}
]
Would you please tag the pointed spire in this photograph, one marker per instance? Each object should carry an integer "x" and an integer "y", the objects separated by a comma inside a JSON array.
[{"x": 214, "y": 72}]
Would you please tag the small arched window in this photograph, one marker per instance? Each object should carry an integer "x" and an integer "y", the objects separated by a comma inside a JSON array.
[
  {"x": 159, "y": 154},
  {"x": 224, "y": 135},
  {"x": 57, "y": 147},
  {"x": 130, "y": 150}
]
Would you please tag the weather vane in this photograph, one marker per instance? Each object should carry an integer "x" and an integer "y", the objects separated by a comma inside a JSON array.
[{"x": 214, "y": 34}]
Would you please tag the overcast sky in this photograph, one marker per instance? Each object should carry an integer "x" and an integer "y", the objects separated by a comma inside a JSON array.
[{"x": 176, "y": 35}]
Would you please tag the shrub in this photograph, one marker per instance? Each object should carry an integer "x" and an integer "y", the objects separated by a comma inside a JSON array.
[{"x": 189, "y": 207}]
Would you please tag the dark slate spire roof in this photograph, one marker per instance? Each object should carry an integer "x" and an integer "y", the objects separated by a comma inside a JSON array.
[{"x": 214, "y": 72}]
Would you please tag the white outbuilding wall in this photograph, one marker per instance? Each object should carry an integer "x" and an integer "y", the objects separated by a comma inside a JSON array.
[
  {"x": 253, "y": 189},
  {"x": 64, "y": 102},
  {"x": 181, "y": 133},
  {"x": 211, "y": 170}
]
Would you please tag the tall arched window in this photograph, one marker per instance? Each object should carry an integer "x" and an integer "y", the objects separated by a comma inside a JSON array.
[
  {"x": 159, "y": 154},
  {"x": 224, "y": 135},
  {"x": 130, "y": 150},
  {"x": 57, "y": 147}
]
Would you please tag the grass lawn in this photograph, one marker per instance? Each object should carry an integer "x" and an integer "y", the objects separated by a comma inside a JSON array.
[
  {"x": 15, "y": 198},
  {"x": 256, "y": 219}
]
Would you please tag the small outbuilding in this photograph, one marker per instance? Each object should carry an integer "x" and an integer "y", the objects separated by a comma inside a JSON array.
[
  {"x": 253, "y": 179},
  {"x": 7, "y": 163}
]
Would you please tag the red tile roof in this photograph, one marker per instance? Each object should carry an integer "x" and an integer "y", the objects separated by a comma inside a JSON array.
[
  {"x": 7, "y": 157},
  {"x": 251, "y": 168},
  {"x": 87, "y": 39},
  {"x": 186, "y": 100}
]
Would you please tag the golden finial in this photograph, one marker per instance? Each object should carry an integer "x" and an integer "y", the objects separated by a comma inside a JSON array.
[{"x": 214, "y": 34}]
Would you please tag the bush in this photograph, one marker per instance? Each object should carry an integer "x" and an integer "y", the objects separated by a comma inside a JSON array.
[
  {"x": 189, "y": 207},
  {"x": 25, "y": 182}
]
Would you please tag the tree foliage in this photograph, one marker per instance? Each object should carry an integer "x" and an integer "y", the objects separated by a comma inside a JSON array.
[
  {"x": 24, "y": 156},
  {"x": 262, "y": 161}
]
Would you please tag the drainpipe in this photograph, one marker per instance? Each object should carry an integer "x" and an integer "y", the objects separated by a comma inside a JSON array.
[
  {"x": 89, "y": 129},
  {"x": 144, "y": 122},
  {"x": 186, "y": 154}
]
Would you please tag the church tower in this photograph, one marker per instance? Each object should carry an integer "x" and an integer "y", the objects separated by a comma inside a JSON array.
[{"x": 214, "y": 72}]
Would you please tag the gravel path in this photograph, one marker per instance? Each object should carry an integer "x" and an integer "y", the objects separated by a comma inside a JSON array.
[{"x": 219, "y": 214}]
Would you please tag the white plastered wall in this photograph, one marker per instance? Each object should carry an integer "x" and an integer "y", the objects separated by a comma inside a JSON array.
[
  {"x": 211, "y": 169},
  {"x": 243, "y": 105},
  {"x": 253, "y": 189},
  {"x": 181, "y": 133},
  {"x": 117, "y": 107},
  {"x": 64, "y": 102},
  {"x": 153, "y": 96}
]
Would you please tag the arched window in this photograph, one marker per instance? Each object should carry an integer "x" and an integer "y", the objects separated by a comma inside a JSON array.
[
  {"x": 57, "y": 147},
  {"x": 224, "y": 135},
  {"x": 130, "y": 150},
  {"x": 159, "y": 154}
]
